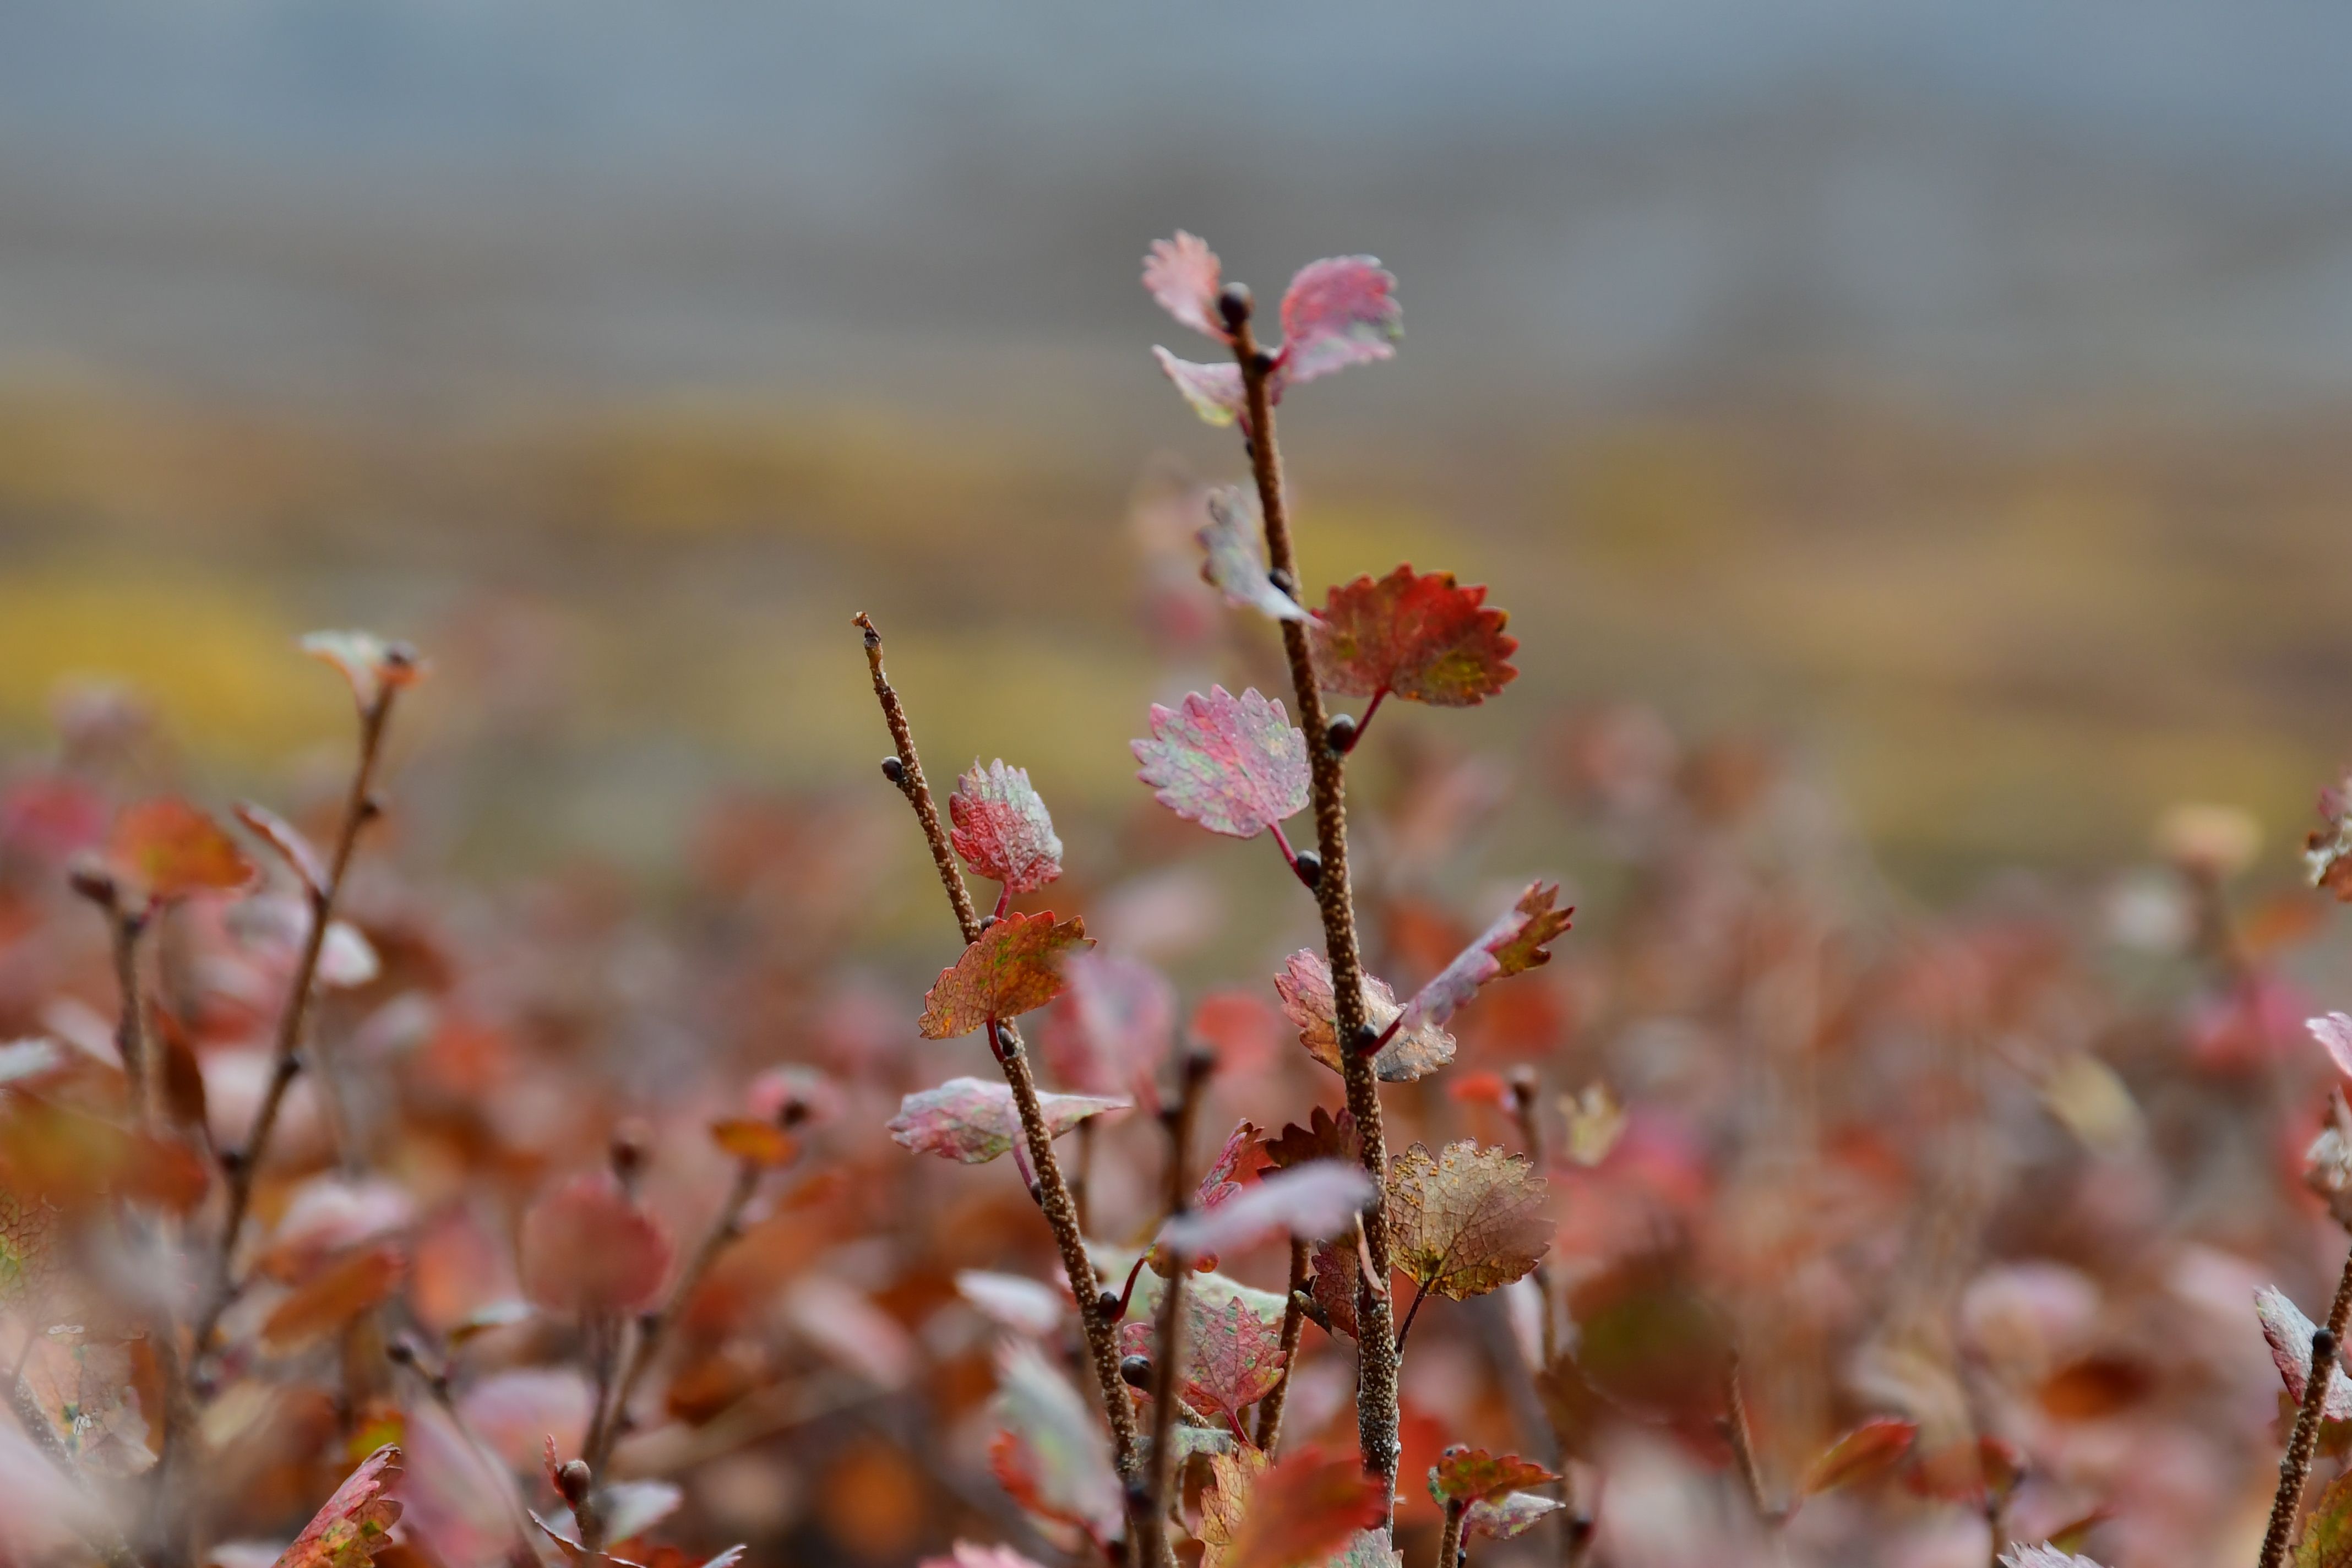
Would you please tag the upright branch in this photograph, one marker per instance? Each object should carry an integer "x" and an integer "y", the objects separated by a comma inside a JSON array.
[
  {"x": 1376, "y": 1375},
  {"x": 904, "y": 768},
  {"x": 1449, "y": 1538},
  {"x": 2294, "y": 1469},
  {"x": 244, "y": 1165},
  {"x": 1168, "y": 1334},
  {"x": 1294, "y": 1328}
]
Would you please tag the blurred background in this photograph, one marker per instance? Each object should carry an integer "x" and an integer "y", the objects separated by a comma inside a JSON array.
[{"x": 1954, "y": 394}]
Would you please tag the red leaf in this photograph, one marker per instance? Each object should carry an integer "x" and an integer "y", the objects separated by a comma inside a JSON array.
[
  {"x": 588, "y": 1248},
  {"x": 1464, "y": 1474},
  {"x": 353, "y": 1284},
  {"x": 2288, "y": 1332},
  {"x": 171, "y": 849},
  {"x": 1320, "y": 1198},
  {"x": 974, "y": 1121},
  {"x": 1484, "y": 1086},
  {"x": 1333, "y": 1286},
  {"x": 1184, "y": 276},
  {"x": 1513, "y": 944},
  {"x": 1110, "y": 1028},
  {"x": 1420, "y": 637},
  {"x": 357, "y": 1520},
  {"x": 1299, "y": 1511},
  {"x": 1234, "y": 764},
  {"x": 1015, "y": 966},
  {"x": 1325, "y": 1137},
  {"x": 1233, "y": 1357},
  {"x": 1339, "y": 311},
  {"x": 1234, "y": 564},
  {"x": 1001, "y": 828},
  {"x": 1222, "y": 1179},
  {"x": 372, "y": 665},
  {"x": 1305, "y": 984},
  {"x": 1869, "y": 1449}
]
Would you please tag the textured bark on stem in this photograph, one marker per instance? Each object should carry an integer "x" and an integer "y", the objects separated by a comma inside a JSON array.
[
  {"x": 1376, "y": 1366},
  {"x": 2295, "y": 1470},
  {"x": 1449, "y": 1540},
  {"x": 1168, "y": 1334},
  {"x": 1052, "y": 1191},
  {"x": 1294, "y": 1328}
]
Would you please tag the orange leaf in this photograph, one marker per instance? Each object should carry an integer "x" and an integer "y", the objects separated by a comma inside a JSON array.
[
  {"x": 1015, "y": 966},
  {"x": 1423, "y": 639},
  {"x": 1464, "y": 1474},
  {"x": 761, "y": 1143},
  {"x": 171, "y": 849},
  {"x": 587, "y": 1248},
  {"x": 1869, "y": 1450},
  {"x": 1299, "y": 1510},
  {"x": 334, "y": 1296},
  {"x": 357, "y": 1520}
]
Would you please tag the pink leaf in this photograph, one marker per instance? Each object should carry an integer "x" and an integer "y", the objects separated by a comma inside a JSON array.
[
  {"x": 1184, "y": 275},
  {"x": 1514, "y": 943},
  {"x": 1508, "y": 1515},
  {"x": 1337, "y": 312},
  {"x": 1320, "y": 1198},
  {"x": 1221, "y": 1183},
  {"x": 2288, "y": 1332},
  {"x": 1001, "y": 828},
  {"x": 588, "y": 1248},
  {"x": 1214, "y": 390},
  {"x": 2333, "y": 1033},
  {"x": 1305, "y": 984},
  {"x": 1110, "y": 1028},
  {"x": 1052, "y": 1454},
  {"x": 974, "y": 1121},
  {"x": 1234, "y": 564},
  {"x": 1234, "y": 764}
]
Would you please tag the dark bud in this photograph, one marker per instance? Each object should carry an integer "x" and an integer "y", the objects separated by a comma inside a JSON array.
[
  {"x": 402, "y": 1350},
  {"x": 793, "y": 1112},
  {"x": 892, "y": 768},
  {"x": 1311, "y": 1310},
  {"x": 1523, "y": 1086},
  {"x": 1341, "y": 736},
  {"x": 1310, "y": 867},
  {"x": 371, "y": 807},
  {"x": 873, "y": 637},
  {"x": 232, "y": 1161},
  {"x": 1139, "y": 1498},
  {"x": 1108, "y": 1304},
  {"x": 1135, "y": 1371},
  {"x": 1037, "y": 1193},
  {"x": 1200, "y": 1061},
  {"x": 1263, "y": 362},
  {"x": 1234, "y": 306},
  {"x": 400, "y": 656},
  {"x": 1281, "y": 578},
  {"x": 1367, "y": 1038},
  {"x": 628, "y": 1150},
  {"x": 90, "y": 879},
  {"x": 575, "y": 1482},
  {"x": 986, "y": 922},
  {"x": 2323, "y": 1345}
]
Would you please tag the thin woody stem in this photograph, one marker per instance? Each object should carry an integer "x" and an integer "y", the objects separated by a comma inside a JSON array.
[
  {"x": 1420, "y": 1294},
  {"x": 1294, "y": 1328},
  {"x": 1449, "y": 1540},
  {"x": 131, "y": 1040},
  {"x": 2295, "y": 1470},
  {"x": 1168, "y": 1334},
  {"x": 1523, "y": 1106},
  {"x": 1743, "y": 1449},
  {"x": 1053, "y": 1190},
  {"x": 358, "y": 809},
  {"x": 1376, "y": 1371}
]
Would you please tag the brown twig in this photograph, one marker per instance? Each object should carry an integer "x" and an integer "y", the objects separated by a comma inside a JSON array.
[
  {"x": 1168, "y": 1333},
  {"x": 358, "y": 809},
  {"x": 1449, "y": 1538},
  {"x": 1294, "y": 1330},
  {"x": 404, "y": 1351},
  {"x": 1743, "y": 1449},
  {"x": 2295, "y": 1470},
  {"x": 1052, "y": 1191},
  {"x": 1376, "y": 1367}
]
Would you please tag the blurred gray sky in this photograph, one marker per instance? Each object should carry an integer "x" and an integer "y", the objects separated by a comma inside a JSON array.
[{"x": 2143, "y": 200}]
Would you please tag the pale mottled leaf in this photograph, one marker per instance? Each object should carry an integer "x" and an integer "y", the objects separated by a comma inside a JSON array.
[
  {"x": 1001, "y": 828},
  {"x": 1509, "y": 1515},
  {"x": 2043, "y": 1556},
  {"x": 1467, "y": 1220},
  {"x": 1234, "y": 562},
  {"x": 1015, "y": 1301},
  {"x": 2333, "y": 1033},
  {"x": 1320, "y": 1198},
  {"x": 969, "y": 1554},
  {"x": 1234, "y": 764},
  {"x": 372, "y": 665},
  {"x": 1015, "y": 966},
  {"x": 972, "y": 1121},
  {"x": 2288, "y": 1332},
  {"x": 1214, "y": 390},
  {"x": 1051, "y": 1453},
  {"x": 1339, "y": 311},
  {"x": 1305, "y": 984},
  {"x": 1184, "y": 276},
  {"x": 2327, "y": 1534}
]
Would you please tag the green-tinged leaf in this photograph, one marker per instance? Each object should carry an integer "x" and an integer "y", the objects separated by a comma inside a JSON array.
[
  {"x": 972, "y": 1121},
  {"x": 1508, "y": 1515},
  {"x": 1015, "y": 966},
  {"x": 1051, "y": 1453},
  {"x": 1464, "y": 1474},
  {"x": 1234, "y": 764},
  {"x": 2327, "y": 1534},
  {"x": 1467, "y": 1220},
  {"x": 1421, "y": 638}
]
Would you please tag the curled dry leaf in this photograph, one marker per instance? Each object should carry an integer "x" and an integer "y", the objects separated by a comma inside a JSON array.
[
  {"x": 1515, "y": 942},
  {"x": 1305, "y": 984},
  {"x": 756, "y": 1143},
  {"x": 300, "y": 856},
  {"x": 1299, "y": 1511},
  {"x": 1234, "y": 764},
  {"x": 171, "y": 850},
  {"x": 1233, "y": 1357},
  {"x": 1015, "y": 966},
  {"x": 2288, "y": 1333},
  {"x": 2333, "y": 1033},
  {"x": 372, "y": 665},
  {"x": 1869, "y": 1449},
  {"x": 1311, "y": 1201},
  {"x": 1467, "y": 1220},
  {"x": 359, "y": 1281},
  {"x": 1325, "y": 1137},
  {"x": 972, "y": 1121},
  {"x": 1001, "y": 828},
  {"x": 1332, "y": 1285},
  {"x": 1234, "y": 562},
  {"x": 1422, "y": 638},
  {"x": 1464, "y": 1474},
  {"x": 357, "y": 1521},
  {"x": 588, "y": 1248},
  {"x": 1595, "y": 1122},
  {"x": 1051, "y": 1453},
  {"x": 1508, "y": 1515}
]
